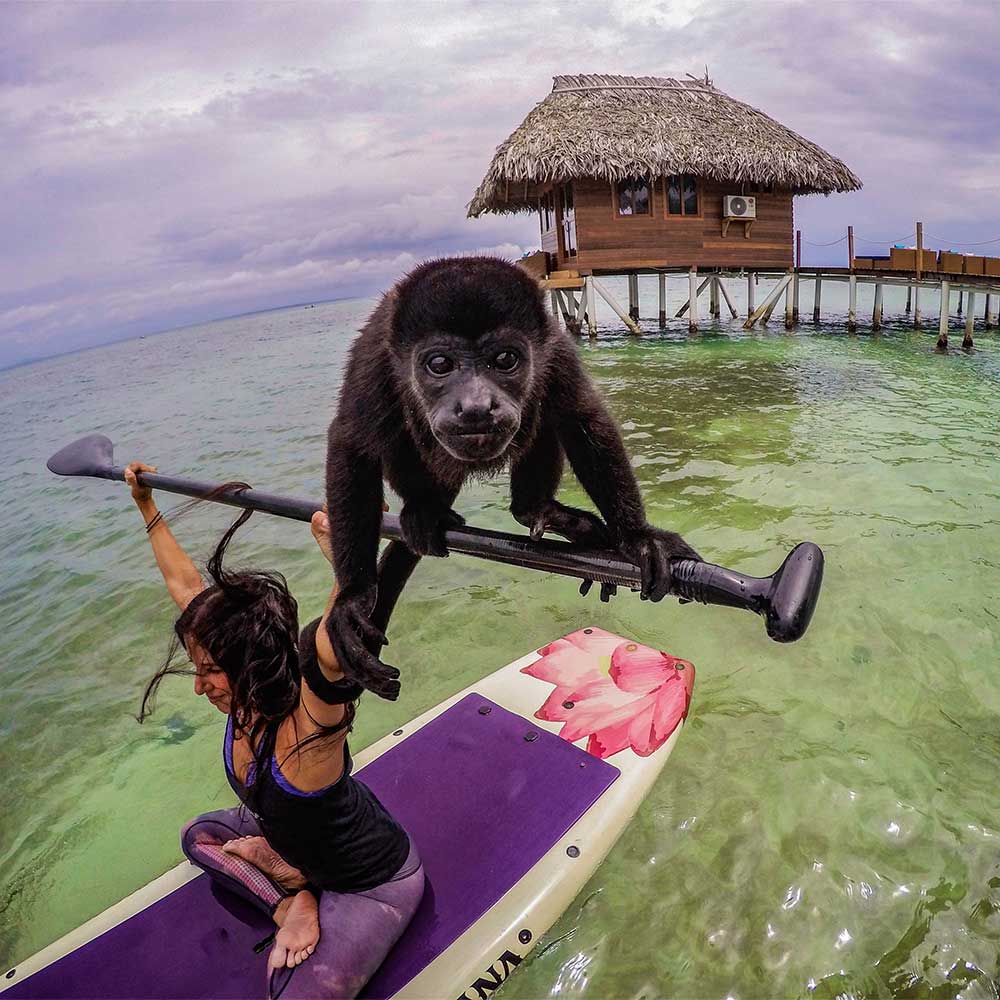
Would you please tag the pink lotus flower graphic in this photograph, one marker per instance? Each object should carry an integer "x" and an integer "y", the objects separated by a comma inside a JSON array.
[{"x": 617, "y": 692}]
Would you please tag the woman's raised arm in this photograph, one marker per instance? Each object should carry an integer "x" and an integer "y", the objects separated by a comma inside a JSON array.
[{"x": 179, "y": 573}]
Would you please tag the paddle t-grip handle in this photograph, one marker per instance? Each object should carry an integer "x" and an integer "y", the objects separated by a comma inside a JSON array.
[{"x": 786, "y": 599}]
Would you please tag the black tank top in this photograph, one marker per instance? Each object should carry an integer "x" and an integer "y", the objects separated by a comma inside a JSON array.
[{"x": 340, "y": 837}]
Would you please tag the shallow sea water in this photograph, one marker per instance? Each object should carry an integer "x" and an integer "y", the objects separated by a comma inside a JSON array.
[{"x": 829, "y": 822}]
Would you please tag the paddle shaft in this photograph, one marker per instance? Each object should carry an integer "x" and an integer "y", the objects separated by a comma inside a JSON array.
[
  {"x": 786, "y": 599},
  {"x": 548, "y": 555}
]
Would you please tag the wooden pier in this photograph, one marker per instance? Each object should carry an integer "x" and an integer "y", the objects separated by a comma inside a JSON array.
[{"x": 574, "y": 293}]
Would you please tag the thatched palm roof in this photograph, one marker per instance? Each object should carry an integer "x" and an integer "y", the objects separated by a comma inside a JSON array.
[{"x": 621, "y": 126}]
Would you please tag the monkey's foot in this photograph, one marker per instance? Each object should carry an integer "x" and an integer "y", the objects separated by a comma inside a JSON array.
[
  {"x": 353, "y": 635},
  {"x": 424, "y": 522},
  {"x": 651, "y": 550}
]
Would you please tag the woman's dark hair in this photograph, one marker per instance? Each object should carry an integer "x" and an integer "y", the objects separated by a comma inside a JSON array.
[{"x": 247, "y": 621}]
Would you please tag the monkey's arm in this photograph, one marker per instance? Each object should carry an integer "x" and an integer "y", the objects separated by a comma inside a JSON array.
[
  {"x": 426, "y": 514},
  {"x": 534, "y": 479},
  {"x": 595, "y": 450},
  {"x": 354, "y": 506}
]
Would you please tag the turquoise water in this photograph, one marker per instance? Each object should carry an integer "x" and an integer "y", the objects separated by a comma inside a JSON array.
[{"x": 829, "y": 820}]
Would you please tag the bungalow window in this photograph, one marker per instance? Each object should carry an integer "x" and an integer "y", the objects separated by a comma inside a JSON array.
[
  {"x": 633, "y": 196},
  {"x": 682, "y": 195}
]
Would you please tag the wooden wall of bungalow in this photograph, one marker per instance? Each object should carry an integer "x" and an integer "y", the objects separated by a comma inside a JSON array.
[{"x": 610, "y": 239}]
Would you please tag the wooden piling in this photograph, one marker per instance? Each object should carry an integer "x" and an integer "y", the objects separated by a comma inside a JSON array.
[
  {"x": 850, "y": 247},
  {"x": 713, "y": 298},
  {"x": 942, "y": 341},
  {"x": 877, "y": 308},
  {"x": 633, "y": 296},
  {"x": 817, "y": 297},
  {"x": 729, "y": 302},
  {"x": 970, "y": 322},
  {"x": 916, "y": 305},
  {"x": 590, "y": 306},
  {"x": 619, "y": 312},
  {"x": 763, "y": 312},
  {"x": 687, "y": 305},
  {"x": 790, "y": 301},
  {"x": 961, "y": 296},
  {"x": 661, "y": 280},
  {"x": 750, "y": 291},
  {"x": 795, "y": 299},
  {"x": 852, "y": 307},
  {"x": 693, "y": 300},
  {"x": 909, "y": 299},
  {"x": 989, "y": 320}
]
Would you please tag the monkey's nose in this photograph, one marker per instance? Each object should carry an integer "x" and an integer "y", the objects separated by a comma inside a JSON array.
[{"x": 475, "y": 413}]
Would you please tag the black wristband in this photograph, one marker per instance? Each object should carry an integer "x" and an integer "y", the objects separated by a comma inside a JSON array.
[
  {"x": 332, "y": 692},
  {"x": 154, "y": 522}
]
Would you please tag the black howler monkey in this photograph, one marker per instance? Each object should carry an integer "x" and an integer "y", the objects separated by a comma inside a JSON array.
[{"x": 460, "y": 372}]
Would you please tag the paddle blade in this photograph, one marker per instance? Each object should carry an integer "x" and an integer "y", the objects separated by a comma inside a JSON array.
[{"x": 92, "y": 455}]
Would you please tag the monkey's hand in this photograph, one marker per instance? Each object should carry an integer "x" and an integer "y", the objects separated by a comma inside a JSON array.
[
  {"x": 651, "y": 550},
  {"x": 424, "y": 522},
  {"x": 577, "y": 526},
  {"x": 354, "y": 636}
]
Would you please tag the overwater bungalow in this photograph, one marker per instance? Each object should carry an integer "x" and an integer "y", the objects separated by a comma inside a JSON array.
[{"x": 644, "y": 173}]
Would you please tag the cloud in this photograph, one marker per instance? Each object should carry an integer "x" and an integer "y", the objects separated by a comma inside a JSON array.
[{"x": 168, "y": 163}]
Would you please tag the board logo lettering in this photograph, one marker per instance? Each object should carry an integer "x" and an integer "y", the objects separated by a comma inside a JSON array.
[{"x": 493, "y": 978}]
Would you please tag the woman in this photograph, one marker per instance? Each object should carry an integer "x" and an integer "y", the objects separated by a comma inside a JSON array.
[{"x": 310, "y": 845}]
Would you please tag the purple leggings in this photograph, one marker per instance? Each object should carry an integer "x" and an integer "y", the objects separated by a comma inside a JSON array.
[{"x": 357, "y": 929}]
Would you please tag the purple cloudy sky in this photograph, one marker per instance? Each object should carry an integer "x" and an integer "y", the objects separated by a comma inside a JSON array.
[{"x": 168, "y": 163}]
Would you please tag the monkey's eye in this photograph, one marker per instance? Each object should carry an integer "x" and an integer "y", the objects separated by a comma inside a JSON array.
[
  {"x": 506, "y": 361},
  {"x": 438, "y": 364}
]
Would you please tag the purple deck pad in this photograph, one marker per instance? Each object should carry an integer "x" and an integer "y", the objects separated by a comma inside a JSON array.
[{"x": 483, "y": 805}]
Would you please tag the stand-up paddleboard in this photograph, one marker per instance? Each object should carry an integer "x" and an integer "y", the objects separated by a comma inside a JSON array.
[{"x": 514, "y": 790}]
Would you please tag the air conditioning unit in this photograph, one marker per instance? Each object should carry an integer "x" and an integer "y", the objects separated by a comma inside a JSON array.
[{"x": 739, "y": 206}]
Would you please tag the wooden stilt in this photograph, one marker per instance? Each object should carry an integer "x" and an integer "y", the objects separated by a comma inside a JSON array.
[
  {"x": 961, "y": 296},
  {"x": 633, "y": 296},
  {"x": 909, "y": 299},
  {"x": 661, "y": 280},
  {"x": 790, "y": 301},
  {"x": 725, "y": 295},
  {"x": 988, "y": 318},
  {"x": 573, "y": 309},
  {"x": 970, "y": 322},
  {"x": 942, "y": 341},
  {"x": 877, "y": 308},
  {"x": 817, "y": 297},
  {"x": 852, "y": 306},
  {"x": 687, "y": 305},
  {"x": 766, "y": 318},
  {"x": 713, "y": 298},
  {"x": 693, "y": 291},
  {"x": 619, "y": 312},
  {"x": 764, "y": 310},
  {"x": 750, "y": 291},
  {"x": 795, "y": 298},
  {"x": 590, "y": 311},
  {"x": 916, "y": 307}
]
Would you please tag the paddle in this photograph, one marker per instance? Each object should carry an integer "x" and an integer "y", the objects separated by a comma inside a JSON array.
[{"x": 786, "y": 599}]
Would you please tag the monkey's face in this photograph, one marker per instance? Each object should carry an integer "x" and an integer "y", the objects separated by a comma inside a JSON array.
[{"x": 472, "y": 390}]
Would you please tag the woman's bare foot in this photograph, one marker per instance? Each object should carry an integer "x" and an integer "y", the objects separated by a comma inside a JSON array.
[
  {"x": 297, "y": 918},
  {"x": 262, "y": 855}
]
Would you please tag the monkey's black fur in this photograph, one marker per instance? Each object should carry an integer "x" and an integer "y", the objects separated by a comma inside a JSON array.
[{"x": 460, "y": 372}]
